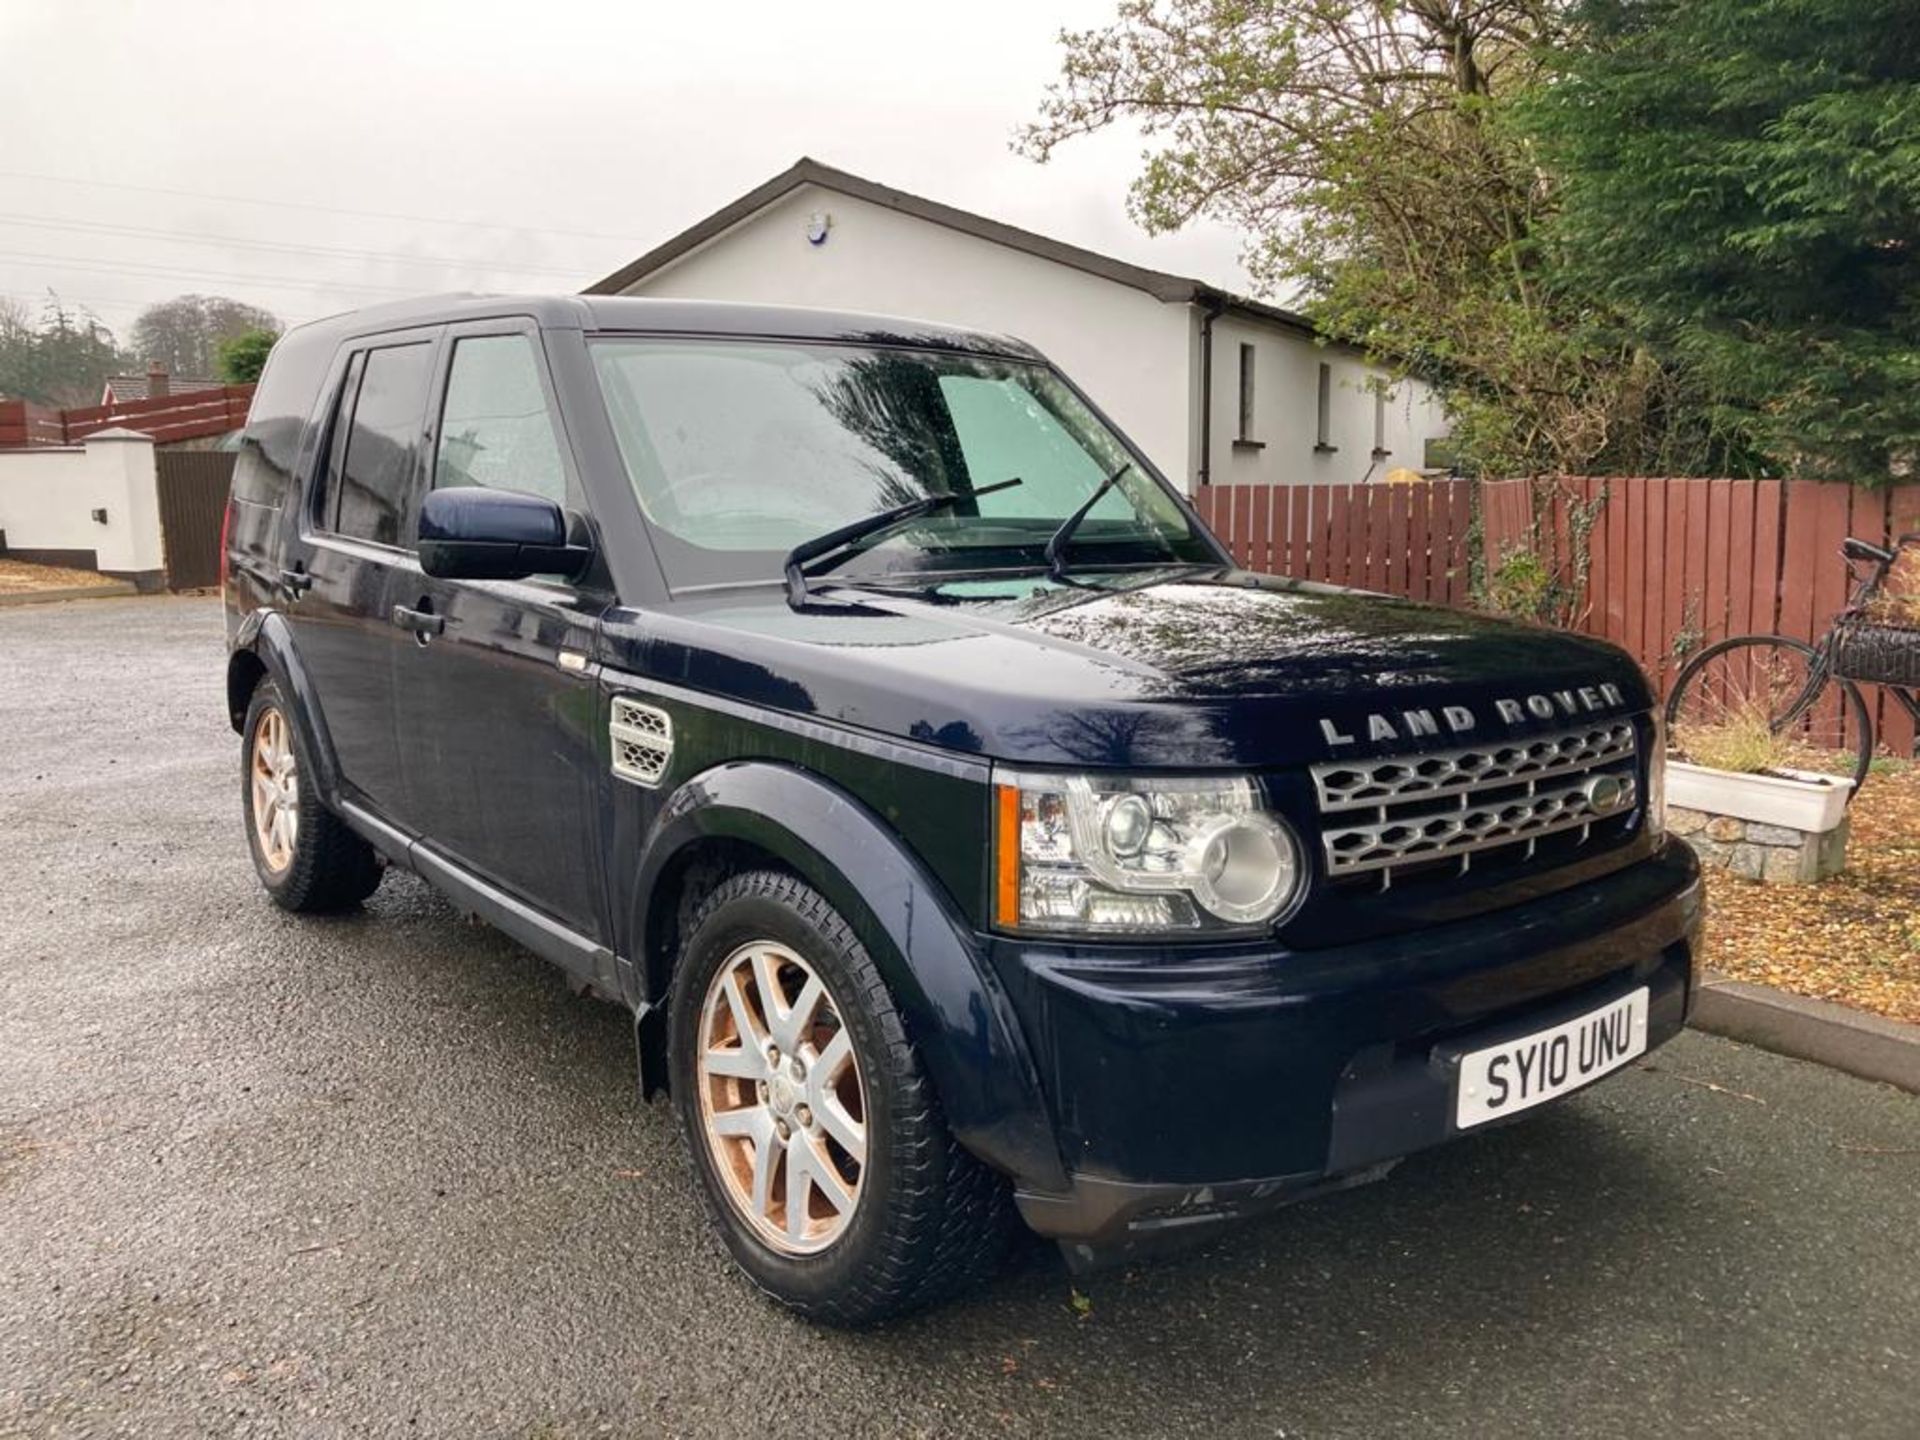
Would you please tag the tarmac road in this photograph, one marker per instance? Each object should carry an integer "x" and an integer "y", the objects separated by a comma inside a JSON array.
[{"x": 384, "y": 1175}]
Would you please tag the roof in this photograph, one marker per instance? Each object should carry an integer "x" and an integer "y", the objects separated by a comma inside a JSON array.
[
  {"x": 641, "y": 314},
  {"x": 1174, "y": 289},
  {"x": 134, "y": 387}
]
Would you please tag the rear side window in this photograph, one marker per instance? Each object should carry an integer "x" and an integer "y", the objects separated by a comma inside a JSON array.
[
  {"x": 327, "y": 506},
  {"x": 494, "y": 427},
  {"x": 381, "y": 443},
  {"x": 296, "y": 369}
]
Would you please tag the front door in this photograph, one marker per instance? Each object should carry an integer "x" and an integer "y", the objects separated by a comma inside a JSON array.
[
  {"x": 499, "y": 719},
  {"x": 349, "y": 555}
]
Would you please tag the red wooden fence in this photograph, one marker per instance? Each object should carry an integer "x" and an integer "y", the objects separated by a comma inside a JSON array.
[
  {"x": 1407, "y": 540},
  {"x": 22, "y": 422},
  {"x": 1673, "y": 564},
  {"x": 189, "y": 415}
]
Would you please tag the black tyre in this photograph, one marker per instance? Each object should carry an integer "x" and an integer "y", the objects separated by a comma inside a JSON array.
[
  {"x": 307, "y": 859},
  {"x": 818, "y": 1142},
  {"x": 1772, "y": 697}
]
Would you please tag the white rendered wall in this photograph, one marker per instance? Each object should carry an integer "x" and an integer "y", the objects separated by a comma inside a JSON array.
[
  {"x": 48, "y": 496},
  {"x": 1132, "y": 354},
  {"x": 1286, "y": 412}
]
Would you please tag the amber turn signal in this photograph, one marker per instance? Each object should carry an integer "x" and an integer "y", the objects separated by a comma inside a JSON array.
[{"x": 1006, "y": 855}]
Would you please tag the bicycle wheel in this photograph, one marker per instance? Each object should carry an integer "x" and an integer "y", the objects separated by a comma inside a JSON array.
[{"x": 1760, "y": 702}]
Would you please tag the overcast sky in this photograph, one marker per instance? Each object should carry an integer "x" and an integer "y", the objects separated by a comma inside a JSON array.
[{"x": 524, "y": 146}]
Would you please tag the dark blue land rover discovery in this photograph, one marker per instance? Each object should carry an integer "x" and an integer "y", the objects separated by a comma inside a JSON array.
[{"x": 968, "y": 837}]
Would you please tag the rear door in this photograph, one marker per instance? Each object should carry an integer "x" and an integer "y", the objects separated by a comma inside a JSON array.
[
  {"x": 499, "y": 709},
  {"x": 351, "y": 549}
]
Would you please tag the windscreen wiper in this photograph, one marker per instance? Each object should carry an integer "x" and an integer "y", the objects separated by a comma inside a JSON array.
[
  {"x": 1057, "y": 546},
  {"x": 875, "y": 524}
]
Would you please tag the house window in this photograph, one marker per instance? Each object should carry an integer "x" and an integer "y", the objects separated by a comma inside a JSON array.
[
  {"x": 1380, "y": 450},
  {"x": 1323, "y": 420},
  {"x": 1245, "y": 433}
]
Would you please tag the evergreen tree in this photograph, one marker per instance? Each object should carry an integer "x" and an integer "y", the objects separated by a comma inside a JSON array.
[{"x": 1741, "y": 183}]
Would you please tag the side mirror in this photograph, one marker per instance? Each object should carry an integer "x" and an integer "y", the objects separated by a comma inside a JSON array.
[{"x": 472, "y": 533}]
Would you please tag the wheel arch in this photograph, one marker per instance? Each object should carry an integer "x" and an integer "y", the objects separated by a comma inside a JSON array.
[
  {"x": 262, "y": 649},
  {"x": 760, "y": 814},
  {"x": 245, "y": 671}
]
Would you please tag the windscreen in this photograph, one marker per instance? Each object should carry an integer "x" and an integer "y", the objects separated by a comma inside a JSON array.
[{"x": 741, "y": 450}]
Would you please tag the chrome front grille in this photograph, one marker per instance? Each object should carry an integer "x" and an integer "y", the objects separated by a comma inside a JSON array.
[{"x": 1437, "y": 810}]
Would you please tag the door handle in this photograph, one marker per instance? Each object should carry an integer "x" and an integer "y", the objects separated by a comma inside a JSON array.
[{"x": 422, "y": 623}]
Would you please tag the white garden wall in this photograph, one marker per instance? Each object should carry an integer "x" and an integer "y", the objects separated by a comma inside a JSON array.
[{"x": 48, "y": 496}]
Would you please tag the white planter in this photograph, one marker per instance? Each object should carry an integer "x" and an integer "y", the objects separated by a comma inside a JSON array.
[{"x": 1793, "y": 799}]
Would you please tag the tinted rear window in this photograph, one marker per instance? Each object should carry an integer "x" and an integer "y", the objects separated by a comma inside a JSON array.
[{"x": 282, "y": 407}]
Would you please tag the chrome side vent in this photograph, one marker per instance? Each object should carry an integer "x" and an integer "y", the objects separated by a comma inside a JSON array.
[{"x": 642, "y": 741}]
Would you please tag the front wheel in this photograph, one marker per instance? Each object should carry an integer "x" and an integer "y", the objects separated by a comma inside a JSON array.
[
  {"x": 815, "y": 1135},
  {"x": 1759, "y": 702}
]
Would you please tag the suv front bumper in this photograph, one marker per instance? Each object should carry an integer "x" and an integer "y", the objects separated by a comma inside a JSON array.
[{"x": 1194, "y": 1086}]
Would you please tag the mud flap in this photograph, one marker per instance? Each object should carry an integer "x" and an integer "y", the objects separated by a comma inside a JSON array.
[{"x": 650, "y": 1049}]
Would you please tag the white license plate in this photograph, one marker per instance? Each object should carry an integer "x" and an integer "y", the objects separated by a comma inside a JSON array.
[{"x": 1516, "y": 1075}]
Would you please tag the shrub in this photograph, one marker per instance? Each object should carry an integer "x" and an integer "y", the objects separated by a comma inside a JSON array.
[
  {"x": 242, "y": 358},
  {"x": 1740, "y": 740}
]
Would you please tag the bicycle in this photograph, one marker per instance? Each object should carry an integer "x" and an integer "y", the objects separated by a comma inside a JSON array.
[{"x": 1807, "y": 696}]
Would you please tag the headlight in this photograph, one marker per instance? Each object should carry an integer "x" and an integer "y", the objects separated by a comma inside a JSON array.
[{"x": 1121, "y": 855}]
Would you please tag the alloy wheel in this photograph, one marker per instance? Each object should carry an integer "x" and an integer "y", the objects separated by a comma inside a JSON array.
[
  {"x": 781, "y": 1098},
  {"x": 276, "y": 790}
]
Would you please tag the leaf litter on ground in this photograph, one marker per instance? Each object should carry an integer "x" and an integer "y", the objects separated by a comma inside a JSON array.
[{"x": 1855, "y": 938}]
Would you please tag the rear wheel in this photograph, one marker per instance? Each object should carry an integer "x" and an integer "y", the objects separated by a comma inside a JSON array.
[
  {"x": 307, "y": 859},
  {"x": 1764, "y": 701},
  {"x": 815, "y": 1135}
]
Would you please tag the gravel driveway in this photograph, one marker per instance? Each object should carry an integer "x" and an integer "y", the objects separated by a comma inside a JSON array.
[{"x": 384, "y": 1175}]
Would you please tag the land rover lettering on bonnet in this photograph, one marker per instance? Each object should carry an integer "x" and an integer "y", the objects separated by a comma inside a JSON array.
[
  {"x": 1459, "y": 719},
  {"x": 969, "y": 841}
]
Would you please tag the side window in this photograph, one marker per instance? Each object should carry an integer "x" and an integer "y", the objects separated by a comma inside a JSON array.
[
  {"x": 494, "y": 426},
  {"x": 327, "y": 498},
  {"x": 381, "y": 442},
  {"x": 277, "y": 422}
]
